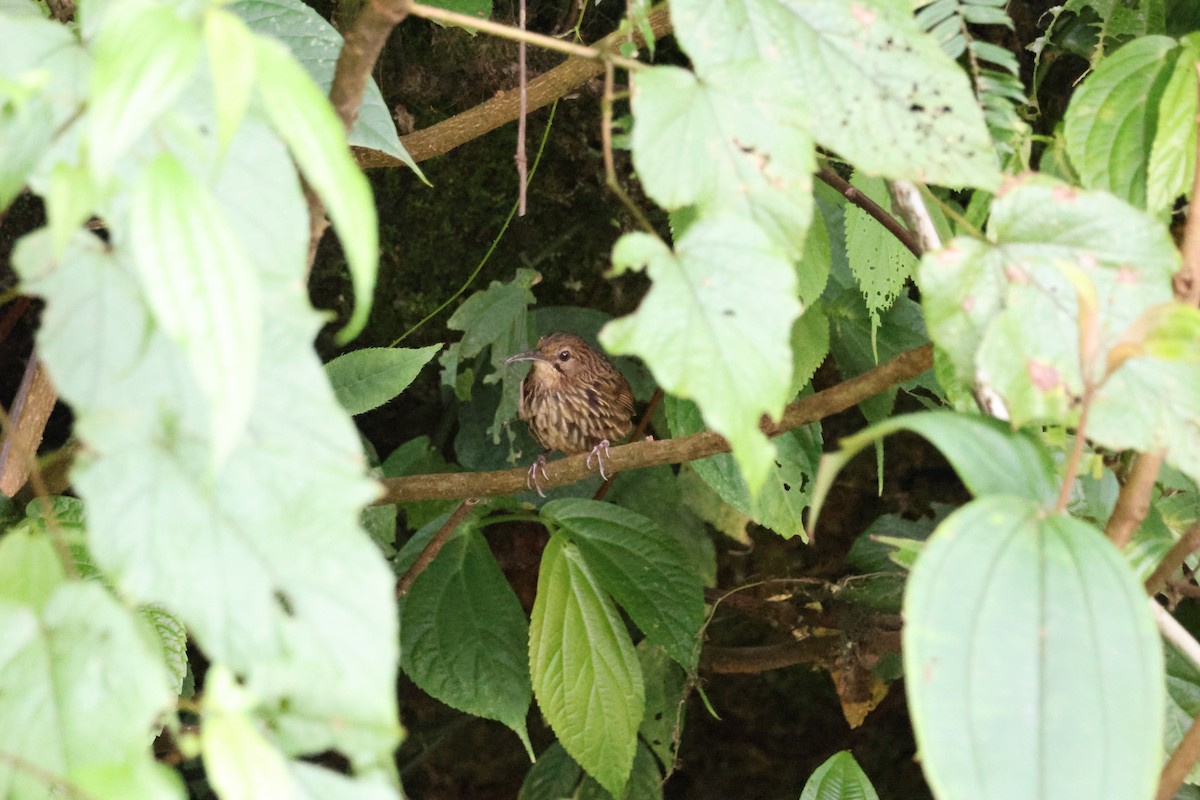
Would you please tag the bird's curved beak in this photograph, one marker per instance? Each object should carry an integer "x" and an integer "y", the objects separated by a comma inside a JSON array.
[{"x": 528, "y": 355}]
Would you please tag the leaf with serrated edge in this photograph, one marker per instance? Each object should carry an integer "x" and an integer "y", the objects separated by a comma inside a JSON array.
[
  {"x": 585, "y": 672},
  {"x": 465, "y": 638},
  {"x": 368, "y": 378},
  {"x": 645, "y": 570},
  {"x": 839, "y": 778},
  {"x": 1173, "y": 151},
  {"x": 302, "y": 117},
  {"x": 1010, "y": 617},
  {"x": 717, "y": 320}
]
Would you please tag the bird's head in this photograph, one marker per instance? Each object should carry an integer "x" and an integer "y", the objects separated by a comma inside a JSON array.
[{"x": 558, "y": 357}]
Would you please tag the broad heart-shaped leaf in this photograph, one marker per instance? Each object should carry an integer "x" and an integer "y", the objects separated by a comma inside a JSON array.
[
  {"x": 989, "y": 457},
  {"x": 747, "y": 125},
  {"x": 1109, "y": 125},
  {"x": 1173, "y": 151},
  {"x": 839, "y": 778},
  {"x": 716, "y": 322},
  {"x": 1033, "y": 665},
  {"x": 585, "y": 672},
  {"x": 787, "y": 490},
  {"x": 368, "y": 378},
  {"x": 80, "y": 692},
  {"x": 923, "y": 122},
  {"x": 464, "y": 638},
  {"x": 301, "y": 116},
  {"x": 645, "y": 570},
  {"x": 145, "y": 55},
  {"x": 202, "y": 290},
  {"x": 316, "y": 45}
]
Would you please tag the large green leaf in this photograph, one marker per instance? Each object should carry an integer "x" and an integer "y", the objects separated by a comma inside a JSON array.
[
  {"x": 81, "y": 692},
  {"x": 585, "y": 672},
  {"x": 316, "y": 45},
  {"x": 747, "y": 125},
  {"x": 1173, "y": 152},
  {"x": 202, "y": 290},
  {"x": 1109, "y": 125},
  {"x": 464, "y": 637},
  {"x": 302, "y": 117},
  {"x": 839, "y": 778},
  {"x": 645, "y": 570},
  {"x": 716, "y": 322},
  {"x": 923, "y": 121},
  {"x": 1033, "y": 665},
  {"x": 367, "y": 378}
]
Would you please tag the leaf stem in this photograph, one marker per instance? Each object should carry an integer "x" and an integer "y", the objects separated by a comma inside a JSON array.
[{"x": 903, "y": 234}]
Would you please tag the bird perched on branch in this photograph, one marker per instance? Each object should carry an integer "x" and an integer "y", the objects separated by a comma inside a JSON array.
[{"x": 573, "y": 400}]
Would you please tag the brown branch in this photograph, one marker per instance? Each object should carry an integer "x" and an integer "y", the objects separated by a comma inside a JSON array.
[
  {"x": 639, "y": 455},
  {"x": 868, "y": 205},
  {"x": 448, "y": 134},
  {"x": 29, "y": 414},
  {"x": 1176, "y": 770},
  {"x": 1173, "y": 560},
  {"x": 815, "y": 651},
  {"x": 434, "y": 546},
  {"x": 638, "y": 433}
]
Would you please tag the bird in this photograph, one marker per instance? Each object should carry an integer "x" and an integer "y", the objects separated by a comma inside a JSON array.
[{"x": 573, "y": 400}]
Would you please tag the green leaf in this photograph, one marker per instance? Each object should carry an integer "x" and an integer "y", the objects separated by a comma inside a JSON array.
[
  {"x": 302, "y": 117},
  {"x": 81, "y": 693},
  {"x": 666, "y": 691},
  {"x": 26, "y": 126},
  {"x": 585, "y": 673},
  {"x": 747, "y": 125},
  {"x": 239, "y": 760},
  {"x": 172, "y": 637},
  {"x": 202, "y": 291},
  {"x": 230, "y": 46},
  {"x": 315, "y": 44},
  {"x": 786, "y": 493},
  {"x": 1183, "y": 703},
  {"x": 924, "y": 123},
  {"x": 70, "y": 200},
  {"x": 144, "y": 57},
  {"x": 556, "y": 776},
  {"x": 30, "y": 569},
  {"x": 645, "y": 570},
  {"x": 1173, "y": 150},
  {"x": 464, "y": 637},
  {"x": 1109, "y": 125},
  {"x": 1010, "y": 618},
  {"x": 367, "y": 378},
  {"x": 717, "y": 320},
  {"x": 839, "y": 778},
  {"x": 880, "y": 263},
  {"x": 474, "y": 8},
  {"x": 989, "y": 457}
]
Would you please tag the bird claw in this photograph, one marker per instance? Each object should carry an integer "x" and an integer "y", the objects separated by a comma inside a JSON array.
[
  {"x": 599, "y": 453},
  {"x": 531, "y": 479}
]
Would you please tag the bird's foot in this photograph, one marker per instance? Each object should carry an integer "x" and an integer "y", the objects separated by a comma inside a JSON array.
[
  {"x": 599, "y": 453},
  {"x": 531, "y": 481}
]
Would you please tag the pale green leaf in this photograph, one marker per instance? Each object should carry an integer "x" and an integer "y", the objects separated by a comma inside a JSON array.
[
  {"x": 145, "y": 54},
  {"x": 747, "y": 125},
  {"x": 880, "y": 263},
  {"x": 80, "y": 694},
  {"x": 302, "y": 117},
  {"x": 1010, "y": 618},
  {"x": 810, "y": 347},
  {"x": 367, "y": 378},
  {"x": 585, "y": 672},
  {"x": 70, "y": 200},
  {"x": 717, "y": 320},
  {"x": 464, "y": 636},
  {"x": 839, "y": 778},
  {"x": 172, "y": 637},
  {"x": 230, "y": 48},
  {"x": 316, "y": 45},
  {"x": 923, "y": 124},
  {"x": 239, "y": 760},
  {"x": 26, "y": 124},
  {"x": 30, "y": 569},
  {"x": 1109, "y": 125},
  {"x": 646, "y": 571},
  {"x": 202, "y": 291},
  {"x": 1173, "y": 150}
]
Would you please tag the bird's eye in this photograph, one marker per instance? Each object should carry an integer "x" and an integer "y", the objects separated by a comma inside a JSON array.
[{"x": 564, "y": 355}]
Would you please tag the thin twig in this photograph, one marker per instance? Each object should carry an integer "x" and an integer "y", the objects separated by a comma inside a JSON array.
[
  {"x": 639, "y": 455},
  {"x": 1173, "y": 560},
  {"x": 610, "y": 170},
  {"x": 910, "y": 205},
  {"x": 1179, "y": 765},
  {"x": 517, "y": 35},
  {"x": 523, "y": 87},
  {"x": 434, "y": 546},
  {"x": 1075, "y": 457},
  {"x": 881, "y": 215}
]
